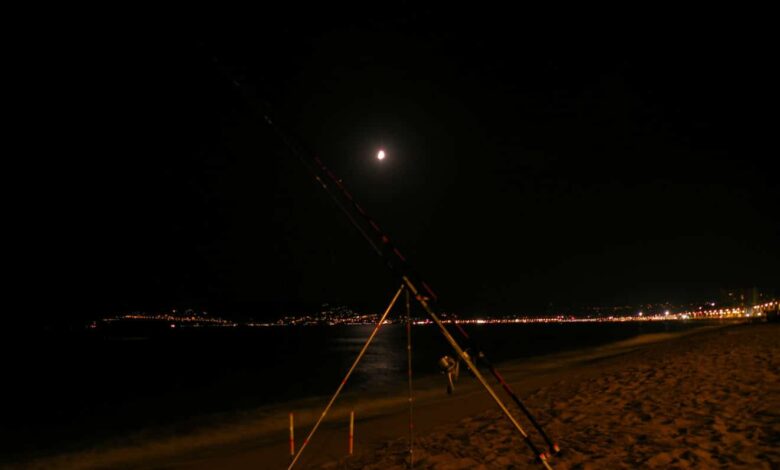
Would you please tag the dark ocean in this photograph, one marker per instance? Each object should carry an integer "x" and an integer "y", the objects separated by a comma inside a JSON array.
[{"x": 67, "y": 391}]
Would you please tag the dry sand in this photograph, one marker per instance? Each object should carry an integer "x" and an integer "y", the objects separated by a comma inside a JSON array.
[{"x": 708, "y": 398}]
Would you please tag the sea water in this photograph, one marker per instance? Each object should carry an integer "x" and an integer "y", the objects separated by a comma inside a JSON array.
[{"x": 67, "y": 391}]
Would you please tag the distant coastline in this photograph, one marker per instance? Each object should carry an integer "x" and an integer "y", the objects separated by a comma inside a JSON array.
[{"x": 344, "y": 316}]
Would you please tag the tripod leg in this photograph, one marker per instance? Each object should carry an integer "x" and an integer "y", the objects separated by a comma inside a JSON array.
[
  {"x": 346, "y": 377},
  {"x": 463, "y": 355},
  {"x": 409, "y": 370}
]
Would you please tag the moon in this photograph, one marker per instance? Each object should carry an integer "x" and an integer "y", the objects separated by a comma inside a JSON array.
[{"x": 381, "y": 155}]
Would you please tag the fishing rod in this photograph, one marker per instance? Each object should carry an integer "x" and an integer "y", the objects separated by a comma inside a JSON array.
[
  {"x": 392, "y": 256},
  {"x": 481, "y": 356},
  {"x": 390, "y": 248}
]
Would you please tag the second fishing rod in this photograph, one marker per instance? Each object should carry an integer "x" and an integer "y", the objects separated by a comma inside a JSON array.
[{"x": 390, "y": 250}]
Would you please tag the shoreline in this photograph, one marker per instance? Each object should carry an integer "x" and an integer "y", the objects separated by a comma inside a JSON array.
[{"x": 262, "y": 436}]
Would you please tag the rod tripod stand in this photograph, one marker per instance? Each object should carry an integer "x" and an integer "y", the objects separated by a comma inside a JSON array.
[
  {"x": 462, "y": 354},
  {"x": 384, "y": 248}
]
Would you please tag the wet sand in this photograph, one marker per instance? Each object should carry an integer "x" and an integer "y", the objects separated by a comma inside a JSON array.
[{"x": 707, "y": 398}]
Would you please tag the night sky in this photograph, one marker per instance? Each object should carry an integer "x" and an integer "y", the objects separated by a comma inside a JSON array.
[{"x": 526, "y": 169}]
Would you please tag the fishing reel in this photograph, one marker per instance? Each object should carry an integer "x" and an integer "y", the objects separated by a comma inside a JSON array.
[
  {"x": 447, "y": 364},
  {"x": 451, "y": 367}
]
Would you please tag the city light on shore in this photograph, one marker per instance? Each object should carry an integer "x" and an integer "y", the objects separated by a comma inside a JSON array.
[{"x": 331, "y": 316}]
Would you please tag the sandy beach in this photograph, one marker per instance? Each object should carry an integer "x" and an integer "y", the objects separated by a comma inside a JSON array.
[
  {"x": 710, "y": 400},
  {"x": 707, "y": 398}
]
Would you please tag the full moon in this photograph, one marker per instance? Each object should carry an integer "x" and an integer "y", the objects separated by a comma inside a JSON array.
[{"x": 381, "y": 155}]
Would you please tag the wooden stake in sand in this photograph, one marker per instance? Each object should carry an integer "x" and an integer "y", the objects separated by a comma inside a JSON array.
[
  {"x": 292, "y": 436},
  {"x": 351, "y": 430}
]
